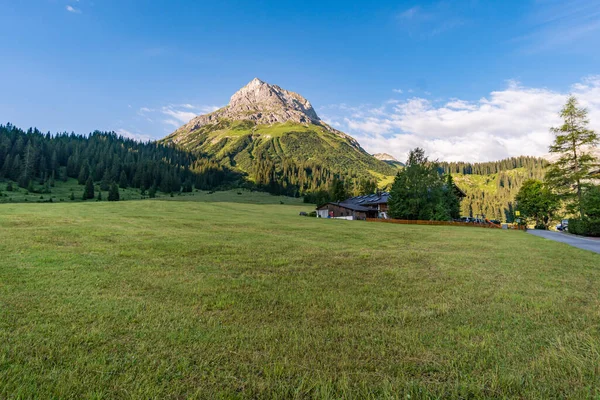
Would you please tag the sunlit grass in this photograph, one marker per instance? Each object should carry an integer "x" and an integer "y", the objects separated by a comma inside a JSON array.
[{"x": 178, "y": 299}]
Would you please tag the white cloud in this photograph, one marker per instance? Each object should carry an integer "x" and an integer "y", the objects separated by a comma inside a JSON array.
[
  {"x": 400, "y": 91},
  {"x": 182, "y": 116},
  {"x": 509, "y": 122},
  {"x": 185, "y": 112},
  {"x": 73, "y": 10},
  {"x": 177, "y": 114},
  {"x": 140, "y": 137}
]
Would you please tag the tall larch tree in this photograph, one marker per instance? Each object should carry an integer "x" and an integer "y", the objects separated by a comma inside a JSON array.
[{"x": 569, "y": 174}]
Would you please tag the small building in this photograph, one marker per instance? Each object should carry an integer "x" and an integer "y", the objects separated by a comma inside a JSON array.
[
  {"x": 345, "y": 210},
  {"x": 377, "y": 201},
  {"x": 361, "y": 207}
]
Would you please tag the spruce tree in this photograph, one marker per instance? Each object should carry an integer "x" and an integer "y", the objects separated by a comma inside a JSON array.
[
  {"x": 113, "y": 194},
  {"x": 451, "y": 198},
  {"x": 338, "y": 191},
  {"x": 123, "y": 180},
  {"x": 569, "y": 175},
  {"x": 88, "y": 191},
  {"x": 84, "y": 173}
]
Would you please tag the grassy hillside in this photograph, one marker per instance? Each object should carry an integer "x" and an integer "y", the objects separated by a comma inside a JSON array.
[
  {"x": 493, "y": 194},
  {"x": 194, "y": 299},
  {"x": 247, "y": 147}
]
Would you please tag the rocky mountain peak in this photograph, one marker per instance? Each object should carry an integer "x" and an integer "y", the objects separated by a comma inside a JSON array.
[
  {"x": 385, "y": 157},
  {"x": 271, "y": 103},
  {"x": 262, "y": 103}
]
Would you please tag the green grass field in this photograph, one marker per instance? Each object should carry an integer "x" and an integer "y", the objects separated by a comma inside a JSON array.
[
  {"x": 62, "y": 193},
  {"x": 215, "y": 299}
]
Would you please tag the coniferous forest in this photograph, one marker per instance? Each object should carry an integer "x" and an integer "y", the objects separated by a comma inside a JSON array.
[
  {"x": 29, "y": 157},
  {"x": 32, "y": 157},
  {"x": 492, "y": 186},
  {"x": 104, "y": 158}
]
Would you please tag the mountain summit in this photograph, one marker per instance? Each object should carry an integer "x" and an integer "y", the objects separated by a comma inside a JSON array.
[
  {"x": 271, "y": 104},
  {"x": 270, "y": 133},
  {"x": 385, "y": 157},
  {"x": 262, "y": 103}
]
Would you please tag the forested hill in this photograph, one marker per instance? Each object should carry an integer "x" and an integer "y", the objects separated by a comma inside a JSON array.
[
  {"x": 32, "y": 158},
  {"x": 493, "y": 167},
  {"x": 275, "y": 138},
  {"x": 492, "y": 186},
  {"x": 29, "y": 157}
]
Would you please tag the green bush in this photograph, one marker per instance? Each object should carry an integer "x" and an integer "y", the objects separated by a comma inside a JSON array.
[{"x": 585, "y": 227}]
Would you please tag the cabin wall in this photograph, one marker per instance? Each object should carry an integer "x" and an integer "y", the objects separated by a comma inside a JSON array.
[{"x": 336, "y": 211}]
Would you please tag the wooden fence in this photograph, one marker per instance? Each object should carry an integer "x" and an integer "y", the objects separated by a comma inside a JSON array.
[{"x": 447, "y": 223}]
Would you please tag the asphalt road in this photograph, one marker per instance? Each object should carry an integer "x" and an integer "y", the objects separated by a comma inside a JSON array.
[{"x": 591, "y": 244}]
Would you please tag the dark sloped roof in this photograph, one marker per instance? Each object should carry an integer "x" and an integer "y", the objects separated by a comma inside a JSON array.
[{"x": 369, "y": 199}]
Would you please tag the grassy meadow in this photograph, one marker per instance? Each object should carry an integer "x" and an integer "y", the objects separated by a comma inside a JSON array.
[
  {"x": 223, "y": 297},
  {"x": 62, "y": 193}
]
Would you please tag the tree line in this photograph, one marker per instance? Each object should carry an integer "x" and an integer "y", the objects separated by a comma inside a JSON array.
[
  {"x": 493, "y": 167},
  {"x": 109, "y": 160},
  {"x": 105, "y": 157}
]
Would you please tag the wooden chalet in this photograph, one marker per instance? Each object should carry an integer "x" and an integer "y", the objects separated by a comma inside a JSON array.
[
  {"x": 359, "y": 207},
  {"x": 363, "y": 207}
]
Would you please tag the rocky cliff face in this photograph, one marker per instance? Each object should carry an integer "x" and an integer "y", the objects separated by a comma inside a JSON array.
[
  {"x": 385, "y": 157},
  {"x": 261, "y": 103}
]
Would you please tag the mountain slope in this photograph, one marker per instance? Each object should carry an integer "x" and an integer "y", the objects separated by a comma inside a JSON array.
[
  {"x": 270, "y": 134},
  {"x": 492, "y": 186}
]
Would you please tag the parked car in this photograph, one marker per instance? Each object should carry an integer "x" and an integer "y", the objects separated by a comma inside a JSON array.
[{"x": 563, "y": 226}]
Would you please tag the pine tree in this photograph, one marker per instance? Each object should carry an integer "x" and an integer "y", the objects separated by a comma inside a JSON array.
[
  {"x": 113, "y": 194},
  {"x": 84, "y": 173},
  {"x": 88, "y": 191},
  {"x": 27, "y": 170},
  {"x": 338, "y": 191},
  {"x": 123, "y": 180},
  {"x": 568, "y": 175},
  {"x": 451, "y": 198},
  {"x": 152, "y": 192}
]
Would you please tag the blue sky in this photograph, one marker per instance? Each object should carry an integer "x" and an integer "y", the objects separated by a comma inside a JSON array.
[{"x": 467, "y": 79}]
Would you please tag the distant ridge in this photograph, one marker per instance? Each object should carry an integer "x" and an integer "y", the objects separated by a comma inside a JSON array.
[{"x": 389, "y": 159}]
